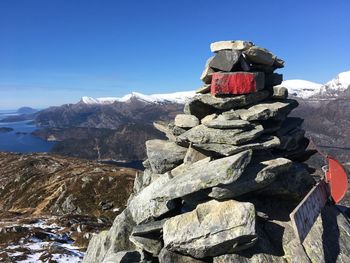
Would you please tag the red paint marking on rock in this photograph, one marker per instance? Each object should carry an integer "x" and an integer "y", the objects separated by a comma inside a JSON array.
[{"x": 236, "y": 83}]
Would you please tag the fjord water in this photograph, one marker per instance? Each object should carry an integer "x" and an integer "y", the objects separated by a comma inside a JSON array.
[{"x": 20, "y": 139}]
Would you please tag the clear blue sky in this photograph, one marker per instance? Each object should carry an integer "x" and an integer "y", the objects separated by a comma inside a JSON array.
[{"x": 55, "y": 51}]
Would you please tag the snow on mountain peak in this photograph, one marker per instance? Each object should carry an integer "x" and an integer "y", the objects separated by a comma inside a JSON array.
[
  {"x": 177, "y": 97},
  {"x": 306, "y": 89}
]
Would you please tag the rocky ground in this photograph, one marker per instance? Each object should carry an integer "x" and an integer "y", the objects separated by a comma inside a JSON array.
[{"x": 51, "y": 205}]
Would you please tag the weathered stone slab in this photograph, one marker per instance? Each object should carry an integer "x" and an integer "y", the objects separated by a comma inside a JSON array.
[
  {"x": 222, "y": 123},
  {"x": 291, "y": 140},
  {"x": 262, "y": 143},
  {"x": 167, "y": 256},
  {"x": 182, "y": 169},
  {"x": 230, "y": 45},
  {"x": 237, "y": 83},
  {"x": 144, "y": 207},
  {"x": 152, "y": 245},
  {"x": 289, "y": 124},
  {"x": 279, "y": 93},
  {"x": 207, "y": 72},
  {"x": 293, "y": 184},
  {"x": 198, "y": 177},
  {"x": 256, "y": 176},
  {"x": 193, "y": 155},
  {"x": 202, "y": 134},
  {"x": 204, "y": 89},
  {"x": 268, "y": 110},
  {"x": 164, "y": 155},
  {"x": 212, "y": 229},
  {"x": 163, "y": 126},
  {"x": 124, "y": 257},
  {"x": 229, "y": 115},
  {"x": 260, "y": 55},
  {"x": 225, "y": 60},
  {"x": 273, "y": 79},
  {"x": 198, "y": 108},
  {"x": 228, "y": 103},
  {"x": 148, "y": 228},
  {"x": 186, "y": 121}
]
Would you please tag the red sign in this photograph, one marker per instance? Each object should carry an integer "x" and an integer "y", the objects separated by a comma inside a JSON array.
[
  {"x": 337, "y": 179},
  {"x": 236, "y": 83}
]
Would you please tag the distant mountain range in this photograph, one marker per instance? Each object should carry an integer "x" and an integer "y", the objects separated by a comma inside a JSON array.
[{"x": 116, "y": 128}]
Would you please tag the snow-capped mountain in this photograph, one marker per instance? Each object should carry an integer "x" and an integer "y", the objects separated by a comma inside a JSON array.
[
  {"x": 177, "y": 97},
  {"x": 307, "y": 89}
]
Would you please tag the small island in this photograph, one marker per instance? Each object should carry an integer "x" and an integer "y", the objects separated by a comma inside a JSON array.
[{"x": 5, "y": 129}]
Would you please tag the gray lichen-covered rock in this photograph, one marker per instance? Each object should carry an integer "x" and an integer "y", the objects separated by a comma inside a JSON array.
[
  {"x": 207, "y": 72},
  {"x": 256, "y": 176},
  {"x": 186, "y": 121},
  {"x": 260, "y": 55},
  {"x": 222, "y": 123},
  {"x": 198, "y": 177},
  {"x": 203, "y": 134},
  {"x": 124, "y": 257},
  {"x": 280, "y": 93},
  {"x": 262, "y": 143},
  {"x": 164, "y": 155},
  {"x": 145, "y": 207},
  {"x": 108, "y": 242},
  {"x": 212, "y": 229},
  {"x": 227, "y": 103},
  {"x": 225, "y": 60},
  {"x": 204, "y": 89},
  {"x": 268, "y": 110},
  {"x": 193, "y": 155},
  {"x": 167, "y": 256}
]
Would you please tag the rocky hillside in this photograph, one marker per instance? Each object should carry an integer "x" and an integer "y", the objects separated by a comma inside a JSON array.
[{"x": 50, "y": 205}]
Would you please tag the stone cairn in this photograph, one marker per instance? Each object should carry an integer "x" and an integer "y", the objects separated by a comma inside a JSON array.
[{"x": 232, "y": 162}]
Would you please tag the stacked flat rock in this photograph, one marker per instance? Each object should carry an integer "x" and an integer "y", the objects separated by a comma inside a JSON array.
[{"x": 222, "y": 185}]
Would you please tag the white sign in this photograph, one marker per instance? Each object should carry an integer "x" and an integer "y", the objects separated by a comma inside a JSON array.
[{"x": 305, "y": 214}]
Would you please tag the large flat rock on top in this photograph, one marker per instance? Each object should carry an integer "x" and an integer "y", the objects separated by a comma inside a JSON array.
[
  {"x": 212, "y": 229},
  {"x": 203, "y": 134},
  {"x": 164, "y": 155},
  {"x": 237, "y": 83},
  {"x": 230, "y": 45},
  {"x": 260, "y": 55}
]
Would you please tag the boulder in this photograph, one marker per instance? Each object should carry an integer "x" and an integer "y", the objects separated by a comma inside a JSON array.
[
  {"x": 207, "y": 72},
  {"x": 144, "y": 206},
  {"x": 198, "y": 108},
  {"x": 260, "y": 55},
  {"x": 198, "y": 177},
  {"x": 230, "y": 45},
  {"x": 268, "y": 110},
  {"x": 225, "y": 60},
  {"x": 236, "y": 83},
  {"x": 212, "y": 229},
  {"x": 186, "y": 121},
  {"x": 164, "y": 155},
  {"x": 167, "y": 256},
  {"x": 279, "y": 92},
  {"x": 262, "y": 143},
  {"x": 202, "y": 134},
  {"x": 228, "y": 103},
  {"x": 256, "y": 176},
  {"x": 182, "y": 169}
]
